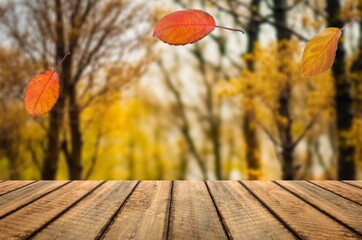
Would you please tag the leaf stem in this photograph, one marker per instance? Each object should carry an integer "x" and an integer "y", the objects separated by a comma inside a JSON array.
[
  {"x": 231, "y": 29},
  {"x": 61, "y": 61},
  {"x": 355, "y": 19}
]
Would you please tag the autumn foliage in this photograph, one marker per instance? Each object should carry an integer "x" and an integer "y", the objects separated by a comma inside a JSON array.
[
  {"x": 191, "y": 25},
  {"x": 180, "y": 28},
  {"x": 320, "y": 51},
  {"x": 227, "y": 102}
]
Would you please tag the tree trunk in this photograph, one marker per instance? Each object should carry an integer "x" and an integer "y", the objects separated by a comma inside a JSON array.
[
  {"x": 356, "y": 75},
  {"x": 182, "y": 165},
  {"x": 13, "y": 170},
  {"x": 288, "y": 168},
  {"x": 285, "y": 129},
  {"x": 252, "y": 148},
  {"x": 215, "y": 138},
  {"x": 131, "y": 160},
  {"x": 280, "y": 16},
  {"x": 343, "y": 99},
  {"x": 51, "y": 159},
  {"x": 75, "y": 161},
  {"x": 13, "y": 163},
  {"x": 249, "y": 125},
  {"x": 157, "y": 156}
]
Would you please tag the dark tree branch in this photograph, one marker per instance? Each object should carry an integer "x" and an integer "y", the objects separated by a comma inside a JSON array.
[
  {"x": 261, "y": 19},
  {"x": 305, "y": 131},
  {"x": 185, "y": 127}
]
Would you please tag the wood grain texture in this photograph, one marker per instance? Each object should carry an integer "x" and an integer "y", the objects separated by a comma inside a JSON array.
[
  {"x": 180, "y": 210},
  {"x": 145, "y": 214},
  {"x": 193, "y": 214},
  {"x": 88, "y": 217},
  {"x": 244, "y": 215},
  {"x": 342, "y": 189},
  {"x": 26, "y": 221},
  {"x": 354, "y": 183},
  {"x": 25, "y": 195},
  {"x": 306, "y": 221},
  {"x": 8, "y": 186},
  {"x": 340, "y": 208}
]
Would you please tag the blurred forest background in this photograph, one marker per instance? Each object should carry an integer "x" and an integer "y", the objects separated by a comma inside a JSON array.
[{"x": 230, "y": 106}]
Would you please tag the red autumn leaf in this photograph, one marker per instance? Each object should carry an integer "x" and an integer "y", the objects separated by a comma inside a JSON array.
[
  {"x": 186, "y": 26},
  {"x": 42, "y": 93}
]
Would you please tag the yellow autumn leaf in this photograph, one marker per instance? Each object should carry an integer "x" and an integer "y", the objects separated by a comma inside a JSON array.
[{"x": 320, "y": 51}]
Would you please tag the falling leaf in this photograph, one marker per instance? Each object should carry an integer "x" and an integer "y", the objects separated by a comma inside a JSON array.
[
  {"x": 183, "y": 27},
  {"x": 320, "y": 51},
  {"x": 42, "y": 93},
  {"x": 186, "y": 26}
]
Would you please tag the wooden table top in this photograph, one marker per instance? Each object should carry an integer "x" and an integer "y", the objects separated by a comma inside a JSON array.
[{"x": 181, "y": 210}]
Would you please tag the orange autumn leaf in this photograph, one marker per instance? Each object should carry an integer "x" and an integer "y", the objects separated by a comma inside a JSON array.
[
  {"x": 186, "y": 26},
  {"x": 42, "y": 93},
  {"x": 183, "y": 27},
  {"x": 320, "y": 52}
]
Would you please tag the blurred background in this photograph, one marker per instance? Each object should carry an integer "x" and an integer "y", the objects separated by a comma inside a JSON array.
[{"x": 230, "y": 106}]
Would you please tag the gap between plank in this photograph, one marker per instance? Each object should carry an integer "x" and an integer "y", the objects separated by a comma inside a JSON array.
[
  {"x": 320, "y": 210},
  {"x": 63, "y": 211},
  {"x": 110, "y": 222},
  {"x": 221, "y": 218},
  {"x": 281, "y": 220},
  {"x": 334, "y": 192},
  {"x": 18, "y": 187},
  {"x": 31, "y": 201},
  {"x": 169, "y": 208},
  {"x": 350, "y": 184}
]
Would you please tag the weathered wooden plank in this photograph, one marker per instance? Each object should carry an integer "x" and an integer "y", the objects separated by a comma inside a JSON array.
[
  {"x": 12, "y": 185},
  {"x": 244, "y": 216},
  {"x": 145, "y": 214},
  {"x": 88, "y": 217},
  {"x": 22, "y": 196},
  {"x": 24, "y": 222},
  {"x": 193, "y": 213},
  {"x": 354, "y": 183},
  {"x": 305, "y": 220},
  {"x": 342, "y": 189},
  {"x": 338, "y": 207}
]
